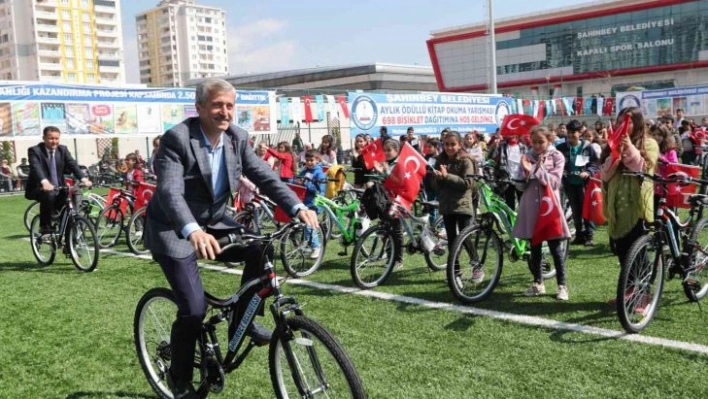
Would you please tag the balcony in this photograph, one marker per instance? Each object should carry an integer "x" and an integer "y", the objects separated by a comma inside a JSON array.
[
  {"x": 49, "y": 53},
  {"x": 39, "y": 13},
  {"x": 46, "y": 66},
  {"x": 47, "y": 28},
  {"x": 48, "y": 39},
  {"x": 107, "y": 32},
  {"x": 108, "y": 44},
  {"x": 105, "y": 20}
]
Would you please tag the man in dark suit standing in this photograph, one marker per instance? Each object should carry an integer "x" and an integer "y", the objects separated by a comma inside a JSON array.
[
  {"x": 48, "y": 162},
  {"x": 198, "y": 164}
]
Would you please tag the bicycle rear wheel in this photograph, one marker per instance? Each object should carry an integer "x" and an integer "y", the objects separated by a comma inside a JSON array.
[
  {"x": 109, "y": 226},
  {"x": 373, "y": 256},
  {"x": 152, "y": 329},
  {"x": 44, "y": 247},
  {"x": 640, "y": 285},
  {"x": 475, "y": 264},
  {"x": 302, "y": 251},
  {"x": 83, "y": 245},
  {"x": 31, "y": 211},
  {"x": 695, "y": 284},
  {"x": 306, "y": 361},
  {"x": 134, "y": 232}
]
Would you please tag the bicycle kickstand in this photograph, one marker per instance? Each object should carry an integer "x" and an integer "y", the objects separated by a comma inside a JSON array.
[{"x": 343, "y": 253}]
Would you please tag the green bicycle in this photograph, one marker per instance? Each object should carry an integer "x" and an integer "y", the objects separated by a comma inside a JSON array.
[
  {"x": 477, "y": 255},
  {"x": 341, "y": 216}
]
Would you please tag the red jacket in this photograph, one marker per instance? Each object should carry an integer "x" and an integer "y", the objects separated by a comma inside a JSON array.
[
  {"x": 137, "y": 178},
  {"x": 286, "y": 163}
]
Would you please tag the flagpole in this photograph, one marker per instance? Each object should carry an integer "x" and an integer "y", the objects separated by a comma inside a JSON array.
[{"x": 493, "y": 47}]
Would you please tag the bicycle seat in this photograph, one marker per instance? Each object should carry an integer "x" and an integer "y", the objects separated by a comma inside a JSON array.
[
  {"x": 698, "y": 200},
  {"x": 358, "y": 191}
]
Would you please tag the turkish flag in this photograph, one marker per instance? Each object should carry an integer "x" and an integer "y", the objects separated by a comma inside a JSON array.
[
  {"x": 676, "y": 193},
  {"x": 307, "y": 100},
  {"x": 609, "y": 107},
  {"x": 518, "y": 125},
  {"x": 579, "y": 105},
  {"x": 541, "y": 110},
  {"x": 342, "y": 101},
  {"x": 549, "y": 224},
  {"x": 614, "y": 135},
  {"x": 143, "y": 194},
  {"x": 403, "y": 183},
  {"x": 373, "y": 153},
  {"x": 592, "y": 203}
]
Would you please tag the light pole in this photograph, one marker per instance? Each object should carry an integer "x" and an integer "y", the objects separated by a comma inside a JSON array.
[{"x": 493, "y": 49}]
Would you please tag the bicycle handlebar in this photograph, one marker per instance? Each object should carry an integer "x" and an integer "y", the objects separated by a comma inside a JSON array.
[
  {"x": 242, "y": 239},
  {"x": 672, "y": 178}
]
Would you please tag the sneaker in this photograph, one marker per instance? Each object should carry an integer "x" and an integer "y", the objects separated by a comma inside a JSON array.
[
  {"x": 477, "y": 275},
  {"x": 259, "y": 334},
  {"x": 536, "y": 289},
  {"x": 315, "y": 253},
  {"x": 398, "y": 265},
  {"x": 562, "y": 294},
  {"x": 589, "y": 242}
]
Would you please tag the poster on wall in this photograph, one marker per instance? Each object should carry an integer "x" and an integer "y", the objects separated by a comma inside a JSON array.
[
  {"x": 426, "y": 112},
  {"x": 25, "y": 116},
  {"x": 5, "y": 119},
  {"x": 149, "y": 118},
  {"x": 81, "y": 110}
]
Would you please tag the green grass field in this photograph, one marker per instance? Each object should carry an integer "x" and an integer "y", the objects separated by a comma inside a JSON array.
[{"x": 65, "y": 334}]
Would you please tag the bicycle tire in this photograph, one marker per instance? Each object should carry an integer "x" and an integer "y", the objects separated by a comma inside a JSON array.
[
  {"x": 31, "y": 211},
  {"x": 296, "y": 251},
  {"x": 134, "y": 232},
  {"x": 326, "y": 225},
  {"x": 157, "y": 309},
  {"x": 109, "y": 226},
  {"x": 462, "y": 284},
  {"x": 83, "y": 244},
  {"x": 698, "y": 286},
  {"x": 436, "y": 259},
  {"x": 40, "y": 244},
  {"x": 639, "y": 275},
  {"x": 305, "y": 343},
  {"x": 380, "y": 235}
]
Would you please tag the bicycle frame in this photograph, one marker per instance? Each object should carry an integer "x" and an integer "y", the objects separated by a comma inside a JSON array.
[
  {"x": 505, "y": 216},
  {"x": 341, "y": 215}
]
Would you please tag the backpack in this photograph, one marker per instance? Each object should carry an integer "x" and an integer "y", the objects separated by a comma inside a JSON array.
[{"x": 376, "y": 201}]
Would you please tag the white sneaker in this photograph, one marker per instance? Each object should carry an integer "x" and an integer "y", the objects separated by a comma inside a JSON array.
[
  {"x": 562, "y": 294},
  {"x": 315, "y": 253},
  {"x": 535, "y": 290},
  {"x": 477, "y": 276}
]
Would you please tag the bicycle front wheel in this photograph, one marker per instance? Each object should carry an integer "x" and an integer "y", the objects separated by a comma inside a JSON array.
[
  {"x": 372, "y": 260},
  {"x": 44, "y": 247},
  {"x": 152, "y": 327},
  {"x": 109, "y": 226},
  {"x": 136, "y": 225},
  {"x": 83, "y": 245},
  {"x": 306, "y": 361},
  {"x": 475, "y": 264},
  {"x": 30, "y": 213},
  {"x": 302, "y": 251},
  {"x": 695, "y": 284},
  {"x": 640, "y": 284}
]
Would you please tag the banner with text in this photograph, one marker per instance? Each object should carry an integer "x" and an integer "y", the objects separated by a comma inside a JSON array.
[
  {"x": 90, "y": 110},
  {"x": 426, "y": 112},
  {"x": 693, "y": 100}
]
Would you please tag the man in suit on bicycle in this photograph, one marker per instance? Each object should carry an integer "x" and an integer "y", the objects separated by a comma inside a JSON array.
[
  {"x": 48, "y": 162},
  {"x": 198, "y": 165}
]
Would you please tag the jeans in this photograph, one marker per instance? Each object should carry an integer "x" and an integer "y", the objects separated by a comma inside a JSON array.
[
  {"x": 576, "y": 197},
  {"x": 558, "y": 261},
  {"x": 312, "y": 239}
]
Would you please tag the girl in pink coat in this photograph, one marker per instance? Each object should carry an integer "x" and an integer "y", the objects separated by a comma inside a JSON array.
[{"x": 541, "y": 166}]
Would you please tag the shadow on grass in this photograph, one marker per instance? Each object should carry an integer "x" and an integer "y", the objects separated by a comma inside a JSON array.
[
  {"x": 17, "y": 237},
  {"x": 99, "y": 394},
  {"x": 28, "y": 266}
]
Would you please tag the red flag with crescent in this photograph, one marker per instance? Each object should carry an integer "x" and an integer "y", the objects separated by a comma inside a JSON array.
[
  {"x": 549, "y": 223},
  {"x": 518, "y": 125},
  {"x": 615, "y": 135},
  {"x": 404, "y": 181},
  {"x": 143, "y": 194},
  {"x": 373, "y": 153},
  {"x": 307, "y": 101},
  {"x": 342, "y": 101},
  {"x": 592, "y": 203}
]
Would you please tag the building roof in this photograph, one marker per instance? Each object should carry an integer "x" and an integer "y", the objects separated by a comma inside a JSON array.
[{"x": 370, "y": 76}]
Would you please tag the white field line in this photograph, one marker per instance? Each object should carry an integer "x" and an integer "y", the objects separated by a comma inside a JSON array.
[{"x": 514, "y": 318}]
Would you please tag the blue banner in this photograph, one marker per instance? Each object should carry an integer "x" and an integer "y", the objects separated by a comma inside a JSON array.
[{"x": 427, "y": 112}]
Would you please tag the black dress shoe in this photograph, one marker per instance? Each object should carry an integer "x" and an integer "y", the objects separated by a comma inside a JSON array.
[
  {"x": 259, "y": 334},
  {"x": 179, "y": 389}
]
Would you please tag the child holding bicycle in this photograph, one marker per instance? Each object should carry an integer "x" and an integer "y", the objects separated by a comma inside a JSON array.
[
  {"x": 391, "y": 149},
  {"x": 541, "y": 166},
  {"x": 628, "y": 202},
  {"x": 314, "y": 179},
  {"x": 133, "y": 174},
  {"x": 455, "y": 187}
]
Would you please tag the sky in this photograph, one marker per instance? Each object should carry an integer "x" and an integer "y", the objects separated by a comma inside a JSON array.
[{"x": 276, "y": 35}]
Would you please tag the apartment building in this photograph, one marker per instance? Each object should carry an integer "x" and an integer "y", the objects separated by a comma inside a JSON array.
[
  {"x": 71, "y": 41},
  {"x": 180, "y": 40}
]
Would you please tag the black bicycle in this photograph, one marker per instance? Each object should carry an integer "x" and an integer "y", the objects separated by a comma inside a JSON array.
[
  {"x": 305, "y": 360},
  {"x": 670, "y": 247},
  {"x": 70, "y": 231}
]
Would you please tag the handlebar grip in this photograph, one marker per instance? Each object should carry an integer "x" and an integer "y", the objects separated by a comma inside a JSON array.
[{"x": 232, "y": 239}]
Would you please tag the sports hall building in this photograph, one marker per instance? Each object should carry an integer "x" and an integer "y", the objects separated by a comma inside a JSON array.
[{"x": 592, "y": 48}]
